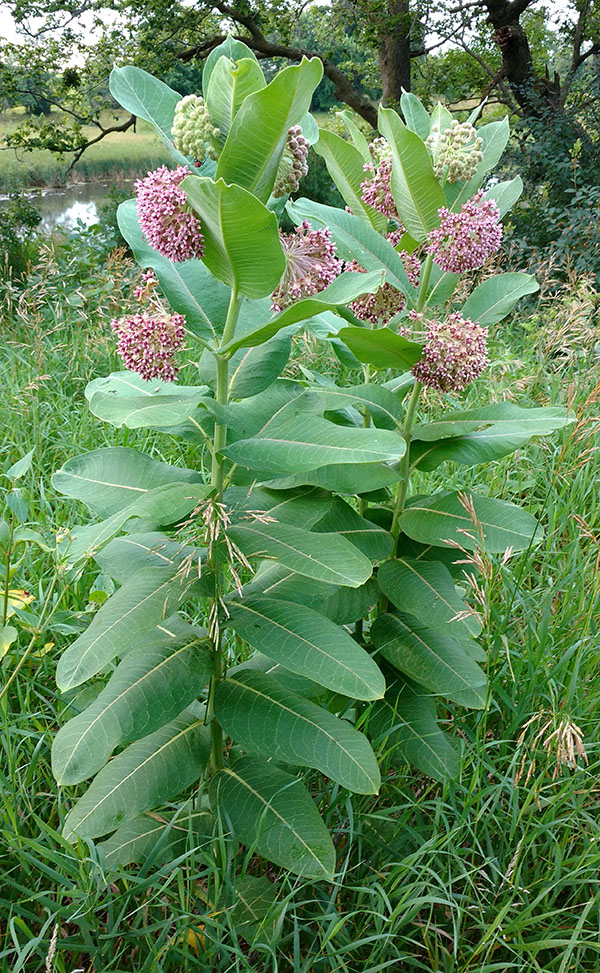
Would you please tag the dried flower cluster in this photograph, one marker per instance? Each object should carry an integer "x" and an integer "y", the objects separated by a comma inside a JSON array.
[
  {"x": 311, "y": 264},
  {"x": 148, "y": 343},
  {"x": 456, "y": 151},
  {"x": 376, "y": 189},
  {"x": 385, "y": 303},
  {"x": 193, "y": 130},
  {"x": 454, "y": 353},
  {"x": 166, "y": 220},
  {"x": 463, "y": 241},
  {"x": 293, "y": 165}
]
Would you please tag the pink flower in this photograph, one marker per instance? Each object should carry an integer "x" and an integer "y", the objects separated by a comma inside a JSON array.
[
  {"x": 385, "y": 303},
  {"x": 464, "y": 240},
  {"x": 311, "y": 265},
  {"x": 166, "y": 219},
  {"x": 454, "y": 353},
  {"x": 148, "y": 345},
  {"x": 376, "y": 190}
]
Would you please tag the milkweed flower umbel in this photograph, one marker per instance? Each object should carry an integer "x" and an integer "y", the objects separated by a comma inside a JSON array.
[
  {"x": 464, "y": 240},
  {"x": 293, "y": 165},
  {"x": 387, "y": 301},
  {"x": 454, "y": 353},
  {"x": 148, "y": 343},
  {"x": 311, "y": 264},
  {"x": 166, "y": 219},
  {"x": 376, "y": 189},
  {"x": 193, "y": 130},
  {"x": 456, "y": 151}
]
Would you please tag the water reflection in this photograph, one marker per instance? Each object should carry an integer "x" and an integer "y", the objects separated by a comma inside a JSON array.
[{"x": 67, "y": 208}]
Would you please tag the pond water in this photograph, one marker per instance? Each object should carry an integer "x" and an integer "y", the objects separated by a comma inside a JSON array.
[{"x": 66, "y": 207}]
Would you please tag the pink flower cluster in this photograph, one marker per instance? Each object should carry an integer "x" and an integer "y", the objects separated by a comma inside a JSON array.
[
  {"x": 165, "y": 217},
  {"x": 464, "y": 240},
  {"x": 293, "y": 165},
  {"x": 145, "y": 290},
  {"x": 148, "y": 344},
  {"x": 385, "y": 303},
  {"x": 311, "y": 264},
  {"x": 376, "y": 189},
  {"x": 454, "y": 353}
]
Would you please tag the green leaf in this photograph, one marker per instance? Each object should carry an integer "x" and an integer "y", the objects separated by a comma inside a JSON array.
[
  {"x": 255, "y": 898},
  {"x": 158, "y": 677},
  {"x": 426, "y": 590},
  {"x": 381, "y": 347},
  {"x": 257, "y": 137},
  {"x": 255, "y": 369},
  {"x": 241, "y": 239},
  {"x": 110, "y": 478},
  {"x": 442, "y": 285},
  {"x": 340, "y": 604},
  {"x": 293, "y": 441},
  {"x": 345, "y": 288},
  {"x": 143, "y": 602},
  {"x": 345, "y": 478},
  {"x": 8, "y": 635},
  {"x": 495, "y": 297},
  {"x": 290, "y": 680},
  {"x": 416, "y": 116},
  {"x": 301, "y": 508},
  {"x": 345, "y": 165},
  {"x": 307, "y": 643},
  {"x": 356, "y": 135},
  {"x": 342, "y": 519},
  {"x": 433, "y": 659},
  {"x": 232, "y": 48},
  {"x": 123, "y": 556},
  {"x": 148, "y": 98},
  {"x": 416, "y": 191},
  {"x": 271, "y": 811},
  {"x": 325, "y": 557},
  {"x": 142, "y": 777},
  {"x": 505, "y": 194},
  {"x": 22, "y": 466},
  {"x": 441, "y": 519},
  {"x": 405, "y": 723},
  {"x": 264, "y": 717},
  {"x": 384, "y": 405},
  {"x": 157, "y": 838},
  {"x": 125, "y": 399},
  {"x": 231, "y": 82},
  {"x": 356, "y": 240}
]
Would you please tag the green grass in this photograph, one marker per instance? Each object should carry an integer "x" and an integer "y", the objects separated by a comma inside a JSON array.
[
  {"x": 119, "y": 155},
  {"x": 476, "y": 876}
]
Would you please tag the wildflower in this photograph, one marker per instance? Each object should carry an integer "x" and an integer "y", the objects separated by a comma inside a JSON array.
[
  {"x": 464, "y": 240},
  {"x": 145, "y": 289},
  {"x": 376, "y": 189},
  {"x": 148, "y": 344},
  {"x": 456, "y": 151},
  {"x": 166, "y": 220},
  {"x": 387, "y": 301},
  {"x": 454, "y": 353},
  {"x": 193, "y": 131},
  {"x": 311, "y": 264},
  {"x": 293, "y": 165}
]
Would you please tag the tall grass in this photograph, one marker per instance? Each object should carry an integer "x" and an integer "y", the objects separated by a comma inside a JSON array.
[{"x": 496, "y": 871}]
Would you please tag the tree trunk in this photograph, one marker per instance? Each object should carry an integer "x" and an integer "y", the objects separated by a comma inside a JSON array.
[{"x": 394, "y": 53}]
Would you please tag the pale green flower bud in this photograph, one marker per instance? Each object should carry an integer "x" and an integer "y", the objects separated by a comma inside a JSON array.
[
  {"x": 193, "y": 131},
  {"x": 456, "y": 151}
]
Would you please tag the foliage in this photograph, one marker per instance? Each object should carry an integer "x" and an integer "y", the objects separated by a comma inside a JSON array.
[
  {"x": 304, "y": 525},
  {"x": 20, "y": 219}
]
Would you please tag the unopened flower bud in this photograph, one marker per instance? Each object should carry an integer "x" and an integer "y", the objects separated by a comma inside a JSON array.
[
  {"x": 457, "y": 151},
  {"x": 193, "y": 131}
]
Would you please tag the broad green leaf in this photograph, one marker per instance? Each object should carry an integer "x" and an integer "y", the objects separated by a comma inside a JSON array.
[
  {"x": 442, "y": 285},
  {"x": 345, "y": 165},
  {"x": 125, "y": 555},
  {"x": 505, "y": 194},
  {"x": 293, "y": 441},
  {"x": 345, "y": 288},
  {"x": 356, "y": 135},
  {"x": 442, "y": 518},
  {"x": 255, "y": 896},
  {"x": 157, "y": 837},
  {"x": 231, "y": 82},
  {"x": 154, "y": 407},
  {"x": 348, "y": 478},
  {"x": 385, "y": 406},
  {"x": 325, "y": 557},
  {"x": 430, "y": 657},
  {"x": 8, "y": 635},
  {"x": 301, "y": 685},
  {"x": 301, "y": 508},
  {"x": 415, "y": 114},
  {"x": 265, "y": 718},
  {"x": 340, "y": 604},
  {"x": 426, "y": 590},
  {"x": 307, "y": 643},
  {"x": 381, "y": 347},
  {"x": 189, "y": 287},
  {"x": 255, "y": 369},
  {"x": 405, "y": 725},
  {"x": 21, "y": 467},
  {"x": 241, "y": 239},
  {"x": 271, "y": 812},
  {"x": 148, "y": 98},
  {"x": 356, "y": 240},
  {"x": 342, "y": 519},
  {"x": 495, "y": 297},
  {"x": 232, "y": 48},
  {"x": 416, "y": 191},
  {"x": 143, "y": 602},
  {"x": 110, "y": 478},
  {"x": 158, "y": 677},
  {"x": 257, "y": 137},
  {"x": 142, "y": 777}
]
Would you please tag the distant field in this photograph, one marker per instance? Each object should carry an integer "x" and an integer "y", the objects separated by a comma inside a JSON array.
[{"x": 118, "y": 155}]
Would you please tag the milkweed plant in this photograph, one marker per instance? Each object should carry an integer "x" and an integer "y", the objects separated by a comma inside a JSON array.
[{"x": 288, "y": 604}]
